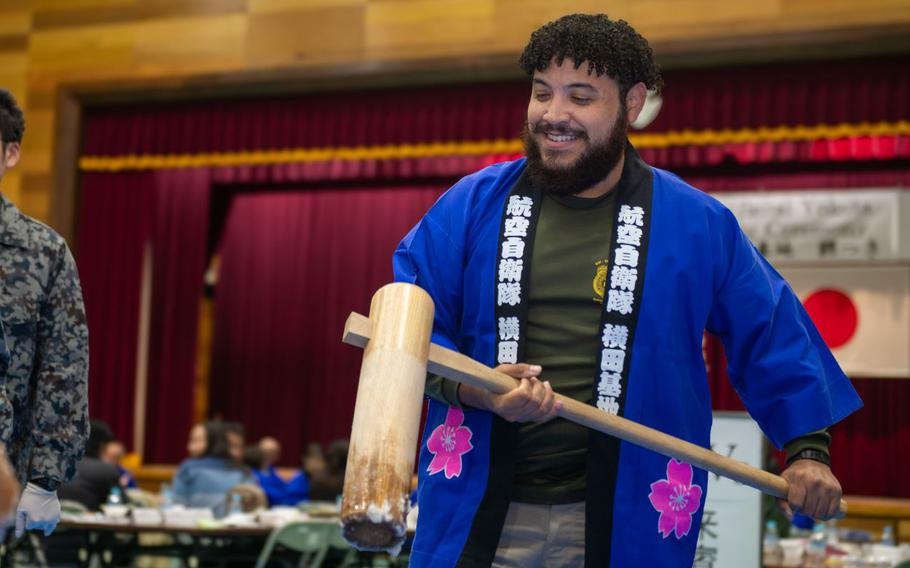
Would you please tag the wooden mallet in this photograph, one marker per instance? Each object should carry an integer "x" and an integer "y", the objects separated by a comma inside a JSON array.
[{"x": 397, "y": 356}]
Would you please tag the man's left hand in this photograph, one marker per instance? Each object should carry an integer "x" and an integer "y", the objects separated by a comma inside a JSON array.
[{"x": 814, "y": 491}]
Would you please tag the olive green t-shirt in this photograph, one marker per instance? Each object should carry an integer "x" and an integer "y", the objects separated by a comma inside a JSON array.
[{"x": 568, "y": 274}]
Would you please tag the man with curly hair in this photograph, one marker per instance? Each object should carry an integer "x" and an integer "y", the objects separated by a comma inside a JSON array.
[
  {"x": 583, "y": 270},
  {"x": 44, "y": 373}
]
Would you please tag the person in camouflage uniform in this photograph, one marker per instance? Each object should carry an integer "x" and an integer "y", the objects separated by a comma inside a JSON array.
[{"x": 44, "y": 376}]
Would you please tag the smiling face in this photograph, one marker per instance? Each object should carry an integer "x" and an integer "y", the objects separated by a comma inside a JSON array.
[
  {"x": 570, "y": 111},
  {"x": 576, "y": 129}
]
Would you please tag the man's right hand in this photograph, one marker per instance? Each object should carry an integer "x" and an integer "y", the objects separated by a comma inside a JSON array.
[
  {"x": 39, "y": 509},
  {"x": 532, "y": 401}
]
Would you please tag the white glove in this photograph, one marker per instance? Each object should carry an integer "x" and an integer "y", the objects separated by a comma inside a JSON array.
[{"x": 39, "y": 509}]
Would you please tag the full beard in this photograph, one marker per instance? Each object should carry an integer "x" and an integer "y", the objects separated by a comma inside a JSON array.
[{"x": 592, "y": 167}]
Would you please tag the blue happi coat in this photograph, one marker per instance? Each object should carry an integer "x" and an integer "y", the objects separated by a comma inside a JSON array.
[{"x": 701, "y": 273}]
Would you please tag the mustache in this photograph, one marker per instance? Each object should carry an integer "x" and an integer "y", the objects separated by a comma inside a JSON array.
[{"x": 543, "y": 127}]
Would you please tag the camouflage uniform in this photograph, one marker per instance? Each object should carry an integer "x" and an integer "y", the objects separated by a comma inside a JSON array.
[{"x": 44, "y": 375}]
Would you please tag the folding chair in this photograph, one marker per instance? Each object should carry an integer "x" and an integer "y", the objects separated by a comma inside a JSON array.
[
  {"x": 311, "y": 540},
  {"x": 68, "y": 506}
]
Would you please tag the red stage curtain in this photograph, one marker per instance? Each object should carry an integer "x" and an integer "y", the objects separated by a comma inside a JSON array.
[
  {"x": 387, "y": 170},
  {"x": 814, "y": 93},
  {"x": 786, "y": 94},
  {"x": 366, "y": 118},
  {"x": 114, "y": 226},
  {"x": 121, "y": 213},
  {"x": 179, "y": 240},
  {"x": 294, "y": 264},
  {"x": 868, "y": 447}
]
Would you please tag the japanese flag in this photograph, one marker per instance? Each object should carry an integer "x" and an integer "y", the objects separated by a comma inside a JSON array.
[{"x": 862, "y": 312}]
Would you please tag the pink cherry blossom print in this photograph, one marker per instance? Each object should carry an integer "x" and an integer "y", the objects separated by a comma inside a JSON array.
[
  {"x": 448, "y": 442},
  {"x": 676, "y": 499}
]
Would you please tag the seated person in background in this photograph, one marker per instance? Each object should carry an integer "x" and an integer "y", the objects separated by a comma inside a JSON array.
[
  {"x": 94, "y": 477},
  {"x": 327, "y": 485},
  {"x": 313, "y": 462},
  {"x": 205, "y": 480},
  {"x": 252, "y": 458},
  {"x": 197, "y": 442},
  {"x": 271, "y": 452},
  {"x": 273, "y": 486},
  {"x": 113, "y": 453},
  {"x": 262, "y": 459},
  {"x": 236, "y": 439}
]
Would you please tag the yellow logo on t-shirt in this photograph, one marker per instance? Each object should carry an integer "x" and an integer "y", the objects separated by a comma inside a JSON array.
[{"x": 600, "y": 280}]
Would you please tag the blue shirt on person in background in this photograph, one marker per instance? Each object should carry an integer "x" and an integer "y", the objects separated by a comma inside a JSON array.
[
  {"x": 298, "y": 489},
  {"x": 127, "y": 477},
  {"x": 274, "y": 486},
  {"x": 281, "y": 492},
  {"x": 205, "y": 481}
]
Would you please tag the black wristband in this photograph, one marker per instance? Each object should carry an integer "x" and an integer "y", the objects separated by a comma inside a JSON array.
[
  {"x": 46, "y": 483},
  {"x": 813, "y": 455}
]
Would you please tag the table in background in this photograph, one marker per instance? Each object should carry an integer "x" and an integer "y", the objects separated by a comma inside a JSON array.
[{"x": 193, "y": 545}]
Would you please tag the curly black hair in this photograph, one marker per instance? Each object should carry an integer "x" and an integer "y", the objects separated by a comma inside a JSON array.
[
  {"x": 12, "y": 123},
  {"x": 610, "y": 47}
]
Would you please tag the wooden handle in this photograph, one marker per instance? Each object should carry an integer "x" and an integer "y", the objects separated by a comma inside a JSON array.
[{"x": 461, "y": 368}]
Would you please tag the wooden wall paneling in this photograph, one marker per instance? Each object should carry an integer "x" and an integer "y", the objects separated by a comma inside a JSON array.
[
  {"x": 840, "y": 14},
  {"x": 180, "y": 46},
  {"x": 155, "y": 9},
  {"x": 13, "y": 74},
  {"x": 35, "y": 194},
  {"x": 278, "y": 6},
  {"x": 83, "y": 53},
  {"x": 312, "y": 36},
  {"x": 15, "y": 21},
  {"x": 430, "y": 28},
  {"x": 44, "y": 6},
  {"x": 65, "y": 191},
  {"x": 12, "y": 187},
  {"x": 516, "y": 19},
  {"x": 15, "y": 26},
  {"x": 701, "y": 19},
  {"x": 79, "y": 13},
  {"x": 38, "y": 142}
]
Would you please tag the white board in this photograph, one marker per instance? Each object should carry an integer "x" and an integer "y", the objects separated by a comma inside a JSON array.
[{"x": 730, "y": 535}]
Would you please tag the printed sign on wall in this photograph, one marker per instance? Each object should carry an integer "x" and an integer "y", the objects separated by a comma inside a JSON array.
[{"x": 821, "y": 225}]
